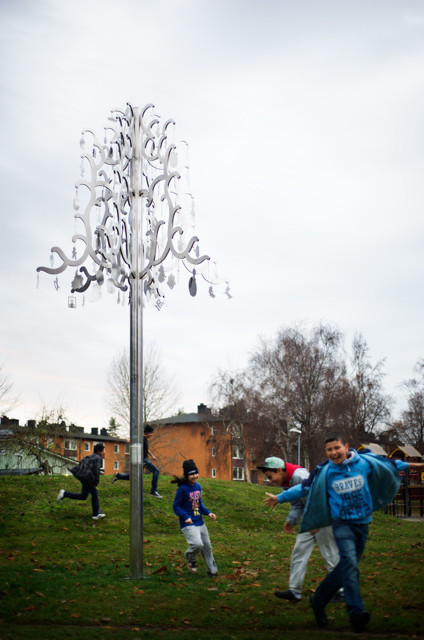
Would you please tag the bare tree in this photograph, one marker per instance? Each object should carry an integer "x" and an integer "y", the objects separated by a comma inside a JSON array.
[
  {"x": 160, "y": 392},
  {"x": 38, "y": 436},
  {"x": 227, "y": 392},
  {"x": 295, "y": 378},
  {"x": 362, "y": 407},
  {"x": 8, "y": 401},
  {"x": 411, "y": 425}
]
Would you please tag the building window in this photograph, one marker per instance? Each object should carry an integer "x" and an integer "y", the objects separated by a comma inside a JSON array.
[
  {"x": 116, "y": 466},
  {"x": 86, "y": 446},
  {"x": 71, "y": 445},
  {"x": 116, "y": 448},
  {"x": 127, "y": 448},
  {"x": 213, "y": 452},
  {"x": 238, "y": 473},
  {"x": 213, "y": 473},
  {"x": 236, "y": 452},
  {"x": 213, "y": 431}
]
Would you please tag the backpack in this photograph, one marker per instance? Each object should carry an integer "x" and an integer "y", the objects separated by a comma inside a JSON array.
[{"x": 85, "y": 471}]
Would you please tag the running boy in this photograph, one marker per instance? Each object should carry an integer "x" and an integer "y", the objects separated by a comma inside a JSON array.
[
  {"x": 188, "y": 506},
  {"x": 344, "y": 491},
  {"x": 148, "y": 433},
  {"x": 88, "y": 472},
  {"x": 280, "y": 473}
]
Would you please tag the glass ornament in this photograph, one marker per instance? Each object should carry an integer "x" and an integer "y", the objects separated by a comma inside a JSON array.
[{"x": 110, "y": 287}]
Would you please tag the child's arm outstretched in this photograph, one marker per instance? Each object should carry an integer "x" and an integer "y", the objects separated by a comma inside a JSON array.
[
  {"x": 416, "y": 466},
  {"x": 286, "y": 496}
]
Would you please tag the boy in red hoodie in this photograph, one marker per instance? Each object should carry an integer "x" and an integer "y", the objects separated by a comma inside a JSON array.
[{"x": 285, "y": 474}]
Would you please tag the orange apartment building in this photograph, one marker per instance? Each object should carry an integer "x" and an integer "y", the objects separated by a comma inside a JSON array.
[{"x": 203, "y": 438}]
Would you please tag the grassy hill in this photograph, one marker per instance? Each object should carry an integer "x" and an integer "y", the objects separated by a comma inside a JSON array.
[{"x": 63, "y": 574}]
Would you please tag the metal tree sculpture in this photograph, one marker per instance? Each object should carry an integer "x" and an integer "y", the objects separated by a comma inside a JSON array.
[{"x": 138, "y": 219}]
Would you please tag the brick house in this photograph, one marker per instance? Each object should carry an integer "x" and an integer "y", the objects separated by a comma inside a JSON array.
[
  {"x": 71, "y": 443},
  {"x": 78, "y": 444},
  {"x": 204, "y": 438}
]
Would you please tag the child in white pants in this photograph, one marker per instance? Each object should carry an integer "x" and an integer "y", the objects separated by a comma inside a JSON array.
[{"x": 188, "y": 506}]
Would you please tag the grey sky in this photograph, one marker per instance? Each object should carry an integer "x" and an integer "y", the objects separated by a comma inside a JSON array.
[{"x": 306, "y": 137}]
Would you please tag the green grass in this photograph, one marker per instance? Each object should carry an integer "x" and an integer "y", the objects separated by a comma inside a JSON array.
[{"x": 62, "y": 573}]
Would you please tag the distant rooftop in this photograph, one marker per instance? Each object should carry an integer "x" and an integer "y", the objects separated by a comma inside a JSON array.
[{"x": 204, "y": 414}]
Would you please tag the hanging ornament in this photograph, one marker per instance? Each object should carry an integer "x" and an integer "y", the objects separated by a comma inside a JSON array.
[
  {"x": 192, "y": 285},
  {"x": 82, "y": 141},
  {"x": 171, "y": 281},
  {"x": 38, "y": 280}
]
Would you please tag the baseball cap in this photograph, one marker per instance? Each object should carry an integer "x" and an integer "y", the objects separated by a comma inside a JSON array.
[{"x": 272, "y": 463}]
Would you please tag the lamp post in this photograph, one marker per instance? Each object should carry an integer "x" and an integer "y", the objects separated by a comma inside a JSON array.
[
  {"x": 138, "y": 220},
  {"x": 298, "y": 431}
]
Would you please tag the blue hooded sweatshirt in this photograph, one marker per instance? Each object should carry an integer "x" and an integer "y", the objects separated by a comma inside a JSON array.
[
  {"x": 347, "y": 492},
  {"x": 188, "y": 504}
]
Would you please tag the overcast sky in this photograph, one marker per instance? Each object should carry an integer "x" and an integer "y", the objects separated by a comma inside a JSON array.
[{"x": 306, "y": 131}]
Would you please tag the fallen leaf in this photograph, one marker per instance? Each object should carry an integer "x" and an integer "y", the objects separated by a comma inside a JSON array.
[
  {"x": 161, "y": 570},
  {"x": 149, "y": 564},
  {"x": 39, "y": 594},
  {"x": 39, "y": 570},
  {"x": 105, "y": 620},
  {"x": 75, "y": 615}
]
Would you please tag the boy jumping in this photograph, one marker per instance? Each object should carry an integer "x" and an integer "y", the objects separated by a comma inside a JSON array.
[{"x": 343, "y": 492}]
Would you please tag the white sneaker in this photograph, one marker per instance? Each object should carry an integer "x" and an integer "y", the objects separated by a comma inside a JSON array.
[
  {"x": 60, "y": 495},
  {"x": 99, "y": 516},
  {"x": 155, "y": 494}
]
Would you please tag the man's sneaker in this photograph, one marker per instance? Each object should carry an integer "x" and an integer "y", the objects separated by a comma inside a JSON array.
[
  {"x": 192, "y": 567},
  {"x": 210, "y": 574},
  {"x": 114, "y": 479},
  {"x": 288, "y": 595},
  {"x": 99, "y": 516},
  {"x": 60, "y": 495},
  {"x": 155, "y": 494},
  {"x": 320, "y": 615},
  {"x": 360, "y": 621}
]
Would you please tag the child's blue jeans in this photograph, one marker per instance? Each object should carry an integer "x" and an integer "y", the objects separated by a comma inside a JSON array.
[{"x": 350, "y": 540}]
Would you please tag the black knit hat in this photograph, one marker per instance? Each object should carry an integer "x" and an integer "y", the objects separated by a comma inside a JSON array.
[
  {"x": 148, "y": 429},
  {"x": 189, "y": 467}
]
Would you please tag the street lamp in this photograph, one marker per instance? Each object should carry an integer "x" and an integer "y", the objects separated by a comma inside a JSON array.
[
  {"x": 298, "y": 431},
  {"x": 138, "y": 221}
]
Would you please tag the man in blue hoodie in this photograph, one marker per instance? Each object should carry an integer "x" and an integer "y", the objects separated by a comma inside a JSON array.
[{"x": 344, "y": 491}]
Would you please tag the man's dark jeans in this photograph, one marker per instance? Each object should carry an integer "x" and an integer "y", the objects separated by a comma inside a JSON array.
[
  {"x": 151, "y": 467},
  {"x": 86, "y": 489},
  {"x": 350, "y": 540}
]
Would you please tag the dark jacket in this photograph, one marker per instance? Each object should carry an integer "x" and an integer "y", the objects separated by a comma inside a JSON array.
[{"x": 88, "y": 469}]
